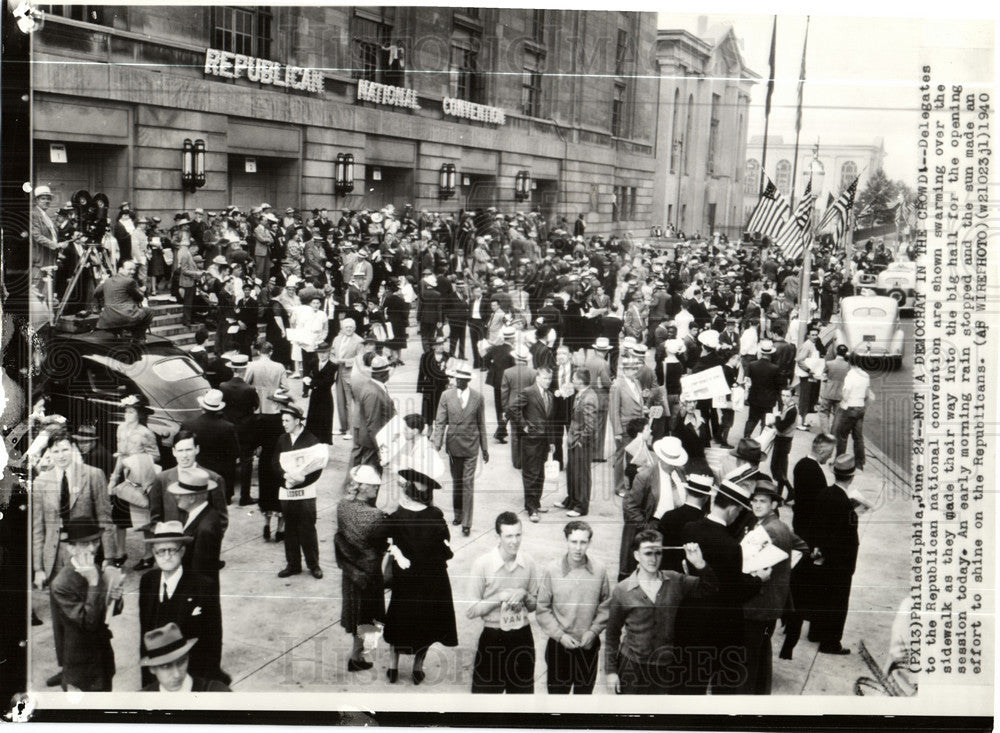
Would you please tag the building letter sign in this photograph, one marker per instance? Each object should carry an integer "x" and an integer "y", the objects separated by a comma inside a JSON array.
[{"x": 236, "y": 65}]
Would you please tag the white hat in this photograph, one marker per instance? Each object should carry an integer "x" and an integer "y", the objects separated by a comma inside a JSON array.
[
  {"x": 521, "y": 353},
  {"x": 602, "y": 344},
  {"x": 674, "y": 346},
  {"x": 670, "y": 451},
  {"x": 709, "y": 339},
  {"x": 365, "y": 474},
  {"x": 43, "y": 191},
  {"x": 212, "y": 401}
]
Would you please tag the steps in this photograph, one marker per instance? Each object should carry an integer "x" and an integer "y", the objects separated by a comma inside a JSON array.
[{"x": 167, "y": 323}]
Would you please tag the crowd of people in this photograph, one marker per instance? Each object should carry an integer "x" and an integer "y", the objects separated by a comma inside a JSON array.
[{"x": 594, "y": 350}]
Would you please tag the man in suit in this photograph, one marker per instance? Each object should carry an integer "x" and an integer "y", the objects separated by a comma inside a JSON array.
[
  {"x": 600, "y": 381},
  {"x": 518, "y": 377},
  {"x": 432, "y": 378},
  {"x": 478, "y": 313},
  {"x": 531, "y": 415},
  {"x": 497, "y": 361},
  {"x": 163, "y": 505},
  {"x": 430, "y": 312},
  {"x": 625, "y": 403},
  {"x": 375, "y": 409},
  {"x": 121, "y": 296},
  {"x": 201, "y": 521},
  {"x": 562, "y": 390},
  {"x": 456, "y": 310},
  {"x": 345, "y": 347},
  {"x": 580, "y": 442},
  {"x": 217, "y": 438},
  {"x": 297, "y": 496},
  {"x": 765, "y": 387},
  {"x": 44, "y": 238},
  {"x": 266, "y": 376},
  {"x": 832, "y": 387},
  {"x": 541, "y": 350},
  {"x": 713, "y": 627},
  {"x": 784, "y": 352},
  {"x": 78, "y": 595},
  {"x": 167, "y": 659},
  {"x": 698, "y": 490},
  {"x": 242, "y": 401},
  {"x": 462, "y": 416},
  {"x": 168, "y": 594},
  {"x": 837, "y": 543}
]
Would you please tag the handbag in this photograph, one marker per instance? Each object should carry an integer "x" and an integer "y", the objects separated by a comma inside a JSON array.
[
  {"x": 132, "y": 493},
  {"x": 555, "y": 480}
]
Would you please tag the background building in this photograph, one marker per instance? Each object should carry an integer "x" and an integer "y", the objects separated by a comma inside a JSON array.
[
  {"x": 839, "y": 163},
  {"x": 704, "y": 90},
  {"x": 562, "y": 94}
]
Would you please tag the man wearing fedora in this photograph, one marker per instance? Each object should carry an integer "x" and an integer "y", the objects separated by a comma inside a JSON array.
[
  {"x": 625, "y": 403},
  {"x": 79, "y": 594},
  {"x": 461, "y": 427},
  {"x": 714, "y": 629},
  {"x": 298, "y": 497},
  {"x": 121, "y": 299},
  {"x": 581, "y": 444},
  {"x": 432, "y": 377},
  {"x": 169, "y": 594},
  {"x": 241, "y": 401},
  {"x": 763, "y": 610},
  {"x": 519, "y": 376},
  {"x": 497, "y": 360},
  {"x": 600, "y": 381},
  {"x": 162, "y": 504},
  {"x": 837, "y": 544},
  {"x": 766, "y": 383},
  {"x": 218, "y": 440},
  {"x": 697, "y": 492},
  {"x": 430, "y": 313},
  {"x": 374, "y": 409},
  {"x": 168, "y": 660},
  {"x": 201, "y": 521}
]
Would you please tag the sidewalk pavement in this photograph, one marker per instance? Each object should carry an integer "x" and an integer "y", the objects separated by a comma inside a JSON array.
[{"x": 284, "y": 634}]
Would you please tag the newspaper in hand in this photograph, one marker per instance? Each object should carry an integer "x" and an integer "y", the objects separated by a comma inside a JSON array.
[
  {"x": 759, "y": 552},
  {"x": 297, "y": 464}
]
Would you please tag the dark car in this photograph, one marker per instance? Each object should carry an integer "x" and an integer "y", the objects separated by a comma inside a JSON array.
[{"x": 85, "y": 376}]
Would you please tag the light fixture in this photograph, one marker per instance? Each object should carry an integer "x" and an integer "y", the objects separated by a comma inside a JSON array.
[
  {"x": 343, "y": 174},
  {"x": 446, "y": 181},
  {"x": 192, "y": 165},
  {"x": 522, "y": 185}
]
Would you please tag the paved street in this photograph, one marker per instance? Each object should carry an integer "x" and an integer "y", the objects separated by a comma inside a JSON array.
[{"x": 285, "y": 634}]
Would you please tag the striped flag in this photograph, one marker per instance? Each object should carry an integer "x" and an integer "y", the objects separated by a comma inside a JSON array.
[
  {"x": 770, "y": 213},
  {"x": 836, "y": 216},
  {"x": 796, "y": 235}
]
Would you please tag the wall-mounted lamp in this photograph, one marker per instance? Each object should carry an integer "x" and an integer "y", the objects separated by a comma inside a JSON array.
[
  {"x": 192, "y": 165},
  {"x": 343, "y": 174},
  {"x": 446, "y": 181},
  {"x": 522, "y": 186}
]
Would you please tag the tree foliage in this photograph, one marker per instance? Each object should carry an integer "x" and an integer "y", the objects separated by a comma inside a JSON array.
[{"x": 875, "y": 204}]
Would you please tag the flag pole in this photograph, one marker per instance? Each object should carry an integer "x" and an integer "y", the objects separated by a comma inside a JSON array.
[
  {"x": 767, "y": 106},
  {"x": 805, "y": 291}
]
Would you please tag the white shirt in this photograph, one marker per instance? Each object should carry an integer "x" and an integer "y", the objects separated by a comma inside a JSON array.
[
  {"x": 748, "y": 342},
  {"x": 856, "y": 383},
  {"x": 194, "y": 513},
  {"x": 171, "y": 581},
  {"x": 463, "y": 397},
  {"x": 683, "y": 320},
  {"x": 476, "y": 311}
]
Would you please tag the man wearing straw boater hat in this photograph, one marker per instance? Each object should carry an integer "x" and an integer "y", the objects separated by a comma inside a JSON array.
[
  {"x": 600, "y": 381},
  {"x": 168, "y": 594},
  {"x": 697, "y": 491},
  {"x": 201, "y": 521},
  {"x": 519, "y": 376},
  {"x": 168, "y": 659},
  {"x": 79, "y": 594},
  {"x": 217, "y": 438},
  {"x": 461, "y": 415},
  {"x": 715, "y": 624}
]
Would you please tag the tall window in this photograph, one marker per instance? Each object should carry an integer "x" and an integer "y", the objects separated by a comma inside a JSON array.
[
  {"x": 371, "y": 40},
  {"x": 616, "y": 205},
  {"x": 688, "y": 129},
  {"x": 242, "y": 30},
  {"x": 783, "y": 176},
  {"x": 465, "y": 80},
  {"x": 752, "y": 183},
  {"x": 713, "y": 134},
  {"x": 848, "y": 172},
  {"x": 99, "y": 14},
  {"x": 536, "y": 28},
  {"x": 531, "y": 83},
  {"x": 675, "y": 147},
  {"x": 471, "y": 12},
  {"x": 621, "y": 52},
  {"x": 631, "y": 202},
  {"x": 618, "y": 110}
]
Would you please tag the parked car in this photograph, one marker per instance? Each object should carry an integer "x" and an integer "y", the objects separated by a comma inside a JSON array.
[
  {"x": 898, "y": 281},
  {"x": 85, "y": 376},
  {"x": 869, "y": 326}
]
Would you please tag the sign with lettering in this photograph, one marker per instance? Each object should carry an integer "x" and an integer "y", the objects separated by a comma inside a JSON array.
[
  {"x": 705, "y": 384},
  {"x": 369, "y": 91},
  {"x": 237, "y": 66},
  {"x": 473, "y": 111}
]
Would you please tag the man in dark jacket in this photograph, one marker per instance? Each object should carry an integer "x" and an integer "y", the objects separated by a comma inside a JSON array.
[
  {"x": 698, "y": 490},
  {"x": 217, "y": 438},
  {"x": 430, "y": 311},
  {"x": 201, "y": 521},
  {"x": 497, "y": 361},
  {"x": 765, "y": 387},
  {"x": 531, "y": 415},
  {"x": 432, "y": 379},
  {"x": 168, "y": 657},
  {"x": 120, "y": 296},
  {"x": 242, "y": 401}
]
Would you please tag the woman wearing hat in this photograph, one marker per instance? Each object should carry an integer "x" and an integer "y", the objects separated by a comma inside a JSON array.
[
  {"x": 359, "y": 545},
  {"x": 421, "y": 611},
  {"x": 416, "y": 449},
  {"x": 276, "y": 325},
  {"x": 133, "y": 440},
  {"x": 397, "y": 314}
]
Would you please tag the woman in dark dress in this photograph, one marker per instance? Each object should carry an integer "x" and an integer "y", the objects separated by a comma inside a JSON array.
[
  {"x": 319, "y": 420},
  {"x": 266, "y": 431},
  {"x": 421, "y": 611},
  {"x": 276, "y": 325},
  {"x": 397, "y": 314},
  {"x": 359, "y": 545}
]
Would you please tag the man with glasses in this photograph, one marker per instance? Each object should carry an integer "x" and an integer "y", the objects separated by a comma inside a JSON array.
[{"x": 169, "y": 594}]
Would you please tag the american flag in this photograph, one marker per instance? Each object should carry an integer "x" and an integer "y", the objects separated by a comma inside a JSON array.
[
  {"x": 796, "y": 235},
  {"x": 770, "y": 213},
  {"x": 836, "y": 216}
]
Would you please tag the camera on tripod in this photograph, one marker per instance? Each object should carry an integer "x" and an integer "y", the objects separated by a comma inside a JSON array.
[{"x": 91, "y": 215}]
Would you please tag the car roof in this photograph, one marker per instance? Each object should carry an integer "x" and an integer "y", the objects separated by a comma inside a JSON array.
[
  {"x": 869, "y": 301},
  {"x": 102, "y": 342}
]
